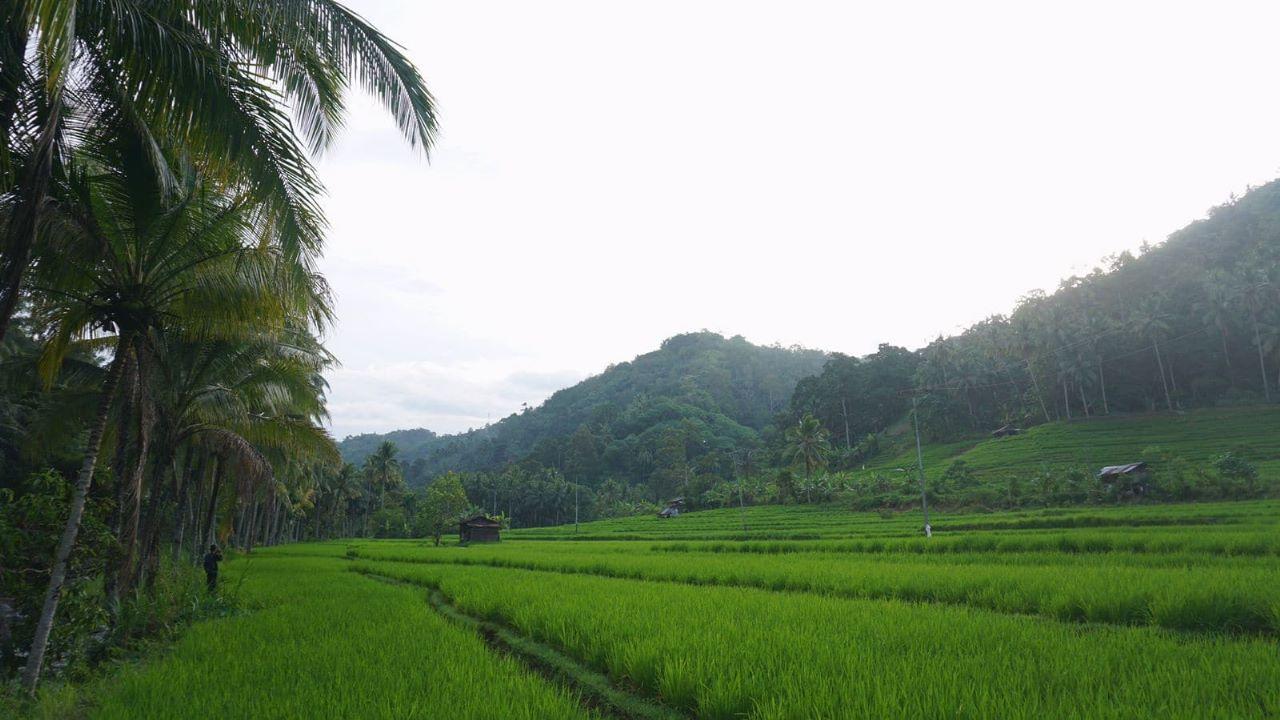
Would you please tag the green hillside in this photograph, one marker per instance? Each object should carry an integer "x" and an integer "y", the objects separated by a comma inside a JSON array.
[
  {"x": 722, "y": 390},
  {"x": 1194, "y": 436}
]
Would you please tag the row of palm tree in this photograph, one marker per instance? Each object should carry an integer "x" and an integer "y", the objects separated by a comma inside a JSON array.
[
  {"x": 1092, "y": 348},
  {"x": 160, "y": 231}
]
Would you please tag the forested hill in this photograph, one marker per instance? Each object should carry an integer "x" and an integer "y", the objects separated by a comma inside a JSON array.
[
  {"x": 723, "y": 391},
  {"x": 1192, "y": 322}
]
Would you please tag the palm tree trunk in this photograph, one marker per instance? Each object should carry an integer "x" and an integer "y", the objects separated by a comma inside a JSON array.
[
  {"x": 181, "y": 514},
  {"x": 250, "y": 536},
  {"x": 241, "y": 521},
  {"x": 127, "y": 390},
  {"x": 216, "y": 484},
  {"x": 1168, "y": 402},
  {"x": 58, "y": 573},
  {"x": 1102, "y": 381},
  {"x": 130, "y": 559},
  {"x": 808, "y": 478},
  {"x": 316, "y": 528},
  {"x": 1084, "y": 401},
  {"x": 161, "y": 492},
  {"x": 1262, "y": 359},
  {"x": 1039, "y": 395},
  {"x": 1066, "y": 398},
  {"x": 183, "y": 510},
  {"x": 848, "y": 444}
]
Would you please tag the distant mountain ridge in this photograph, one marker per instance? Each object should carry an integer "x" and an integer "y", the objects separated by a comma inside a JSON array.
[{"x": 728, "y": 385}]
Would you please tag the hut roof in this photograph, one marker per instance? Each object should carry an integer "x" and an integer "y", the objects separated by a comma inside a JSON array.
[
  {"x": 1112, "y": 471},
  {"x": 480, "y": 521}
]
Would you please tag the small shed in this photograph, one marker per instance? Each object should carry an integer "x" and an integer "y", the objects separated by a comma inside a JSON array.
[
  {"x": 1006, "y": 431},
  {"x": 672, "y": 509},
  {"x": 478, "y": 528},
  {"x": 1127, "y": 479}
]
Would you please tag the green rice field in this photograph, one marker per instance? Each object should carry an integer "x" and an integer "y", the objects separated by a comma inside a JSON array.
[
  {"x": 1160, "y": 611},
  {"x": 1195, "y": 436}
]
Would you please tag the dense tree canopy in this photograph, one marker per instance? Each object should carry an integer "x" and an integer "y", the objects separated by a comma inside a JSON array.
[{"x": 698, "y": 394}]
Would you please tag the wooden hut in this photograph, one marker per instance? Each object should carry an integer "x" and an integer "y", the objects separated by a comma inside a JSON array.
[
  {"x": 1006, "y": 431},
  {"x": 478, "y": 528},
  {"x": 1129, "y": 479},
  {"x": 672, "y": 509}
]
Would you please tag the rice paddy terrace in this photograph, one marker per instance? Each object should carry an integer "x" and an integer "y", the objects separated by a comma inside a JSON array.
[
  {"x": 1168, "y": 611},
  {"x": 1195, "y": 436}
]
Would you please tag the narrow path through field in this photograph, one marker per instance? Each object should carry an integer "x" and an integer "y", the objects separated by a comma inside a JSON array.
[{"x": 595, "y": 690}]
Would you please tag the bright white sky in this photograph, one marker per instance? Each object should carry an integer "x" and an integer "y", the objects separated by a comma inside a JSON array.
[{"x": 830, "y": 174}]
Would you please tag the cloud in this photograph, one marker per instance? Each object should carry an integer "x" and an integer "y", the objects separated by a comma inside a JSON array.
[{"x": 443, "y": 398}]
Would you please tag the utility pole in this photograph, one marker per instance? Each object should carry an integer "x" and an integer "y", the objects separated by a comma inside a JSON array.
[{"x": 924, "y": 498}]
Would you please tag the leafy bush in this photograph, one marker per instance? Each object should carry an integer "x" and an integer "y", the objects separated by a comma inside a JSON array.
[
  {"x": 30, "y": 525},
  {"x": 1239, "y": 473}
]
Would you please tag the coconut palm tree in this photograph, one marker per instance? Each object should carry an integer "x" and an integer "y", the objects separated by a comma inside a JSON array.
[
  {"x": 1256, "y": 291},
  {"x": 807, "y": 443},
  {"x": 382, "y": 469},
  {"x": 1028, "y": 327},
  {"x": 123, "y": 268},
  {"x": 1217, "y": 310},
  {"x": 211, "y": 76},
  {"x": 1151, "y": 321}
]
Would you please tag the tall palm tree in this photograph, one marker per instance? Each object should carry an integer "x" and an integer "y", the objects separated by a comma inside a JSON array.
[
  {"x": 382, "y": 468},
  {"x": 212, "y": 76},
  {"x": 1217, "y": 310},
  {"x": 1256, "y": 290},
  {"x": 1151, "y": 321},
  {"x": 807, "y": 444},
  {"x": 1027, "y": 329},
  {"x": 346, "y": 490},
  {"x": 1095, "y": 325},
  {"x": 122, "y": 267}
]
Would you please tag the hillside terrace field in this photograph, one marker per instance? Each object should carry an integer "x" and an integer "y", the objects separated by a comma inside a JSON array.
[
  {"x": 1195, "y": 436},
  {"x": 1169, "y": 611}
]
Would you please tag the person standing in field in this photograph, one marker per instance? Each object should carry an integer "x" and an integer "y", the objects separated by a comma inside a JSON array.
[{"x": 211, "y": 560}]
